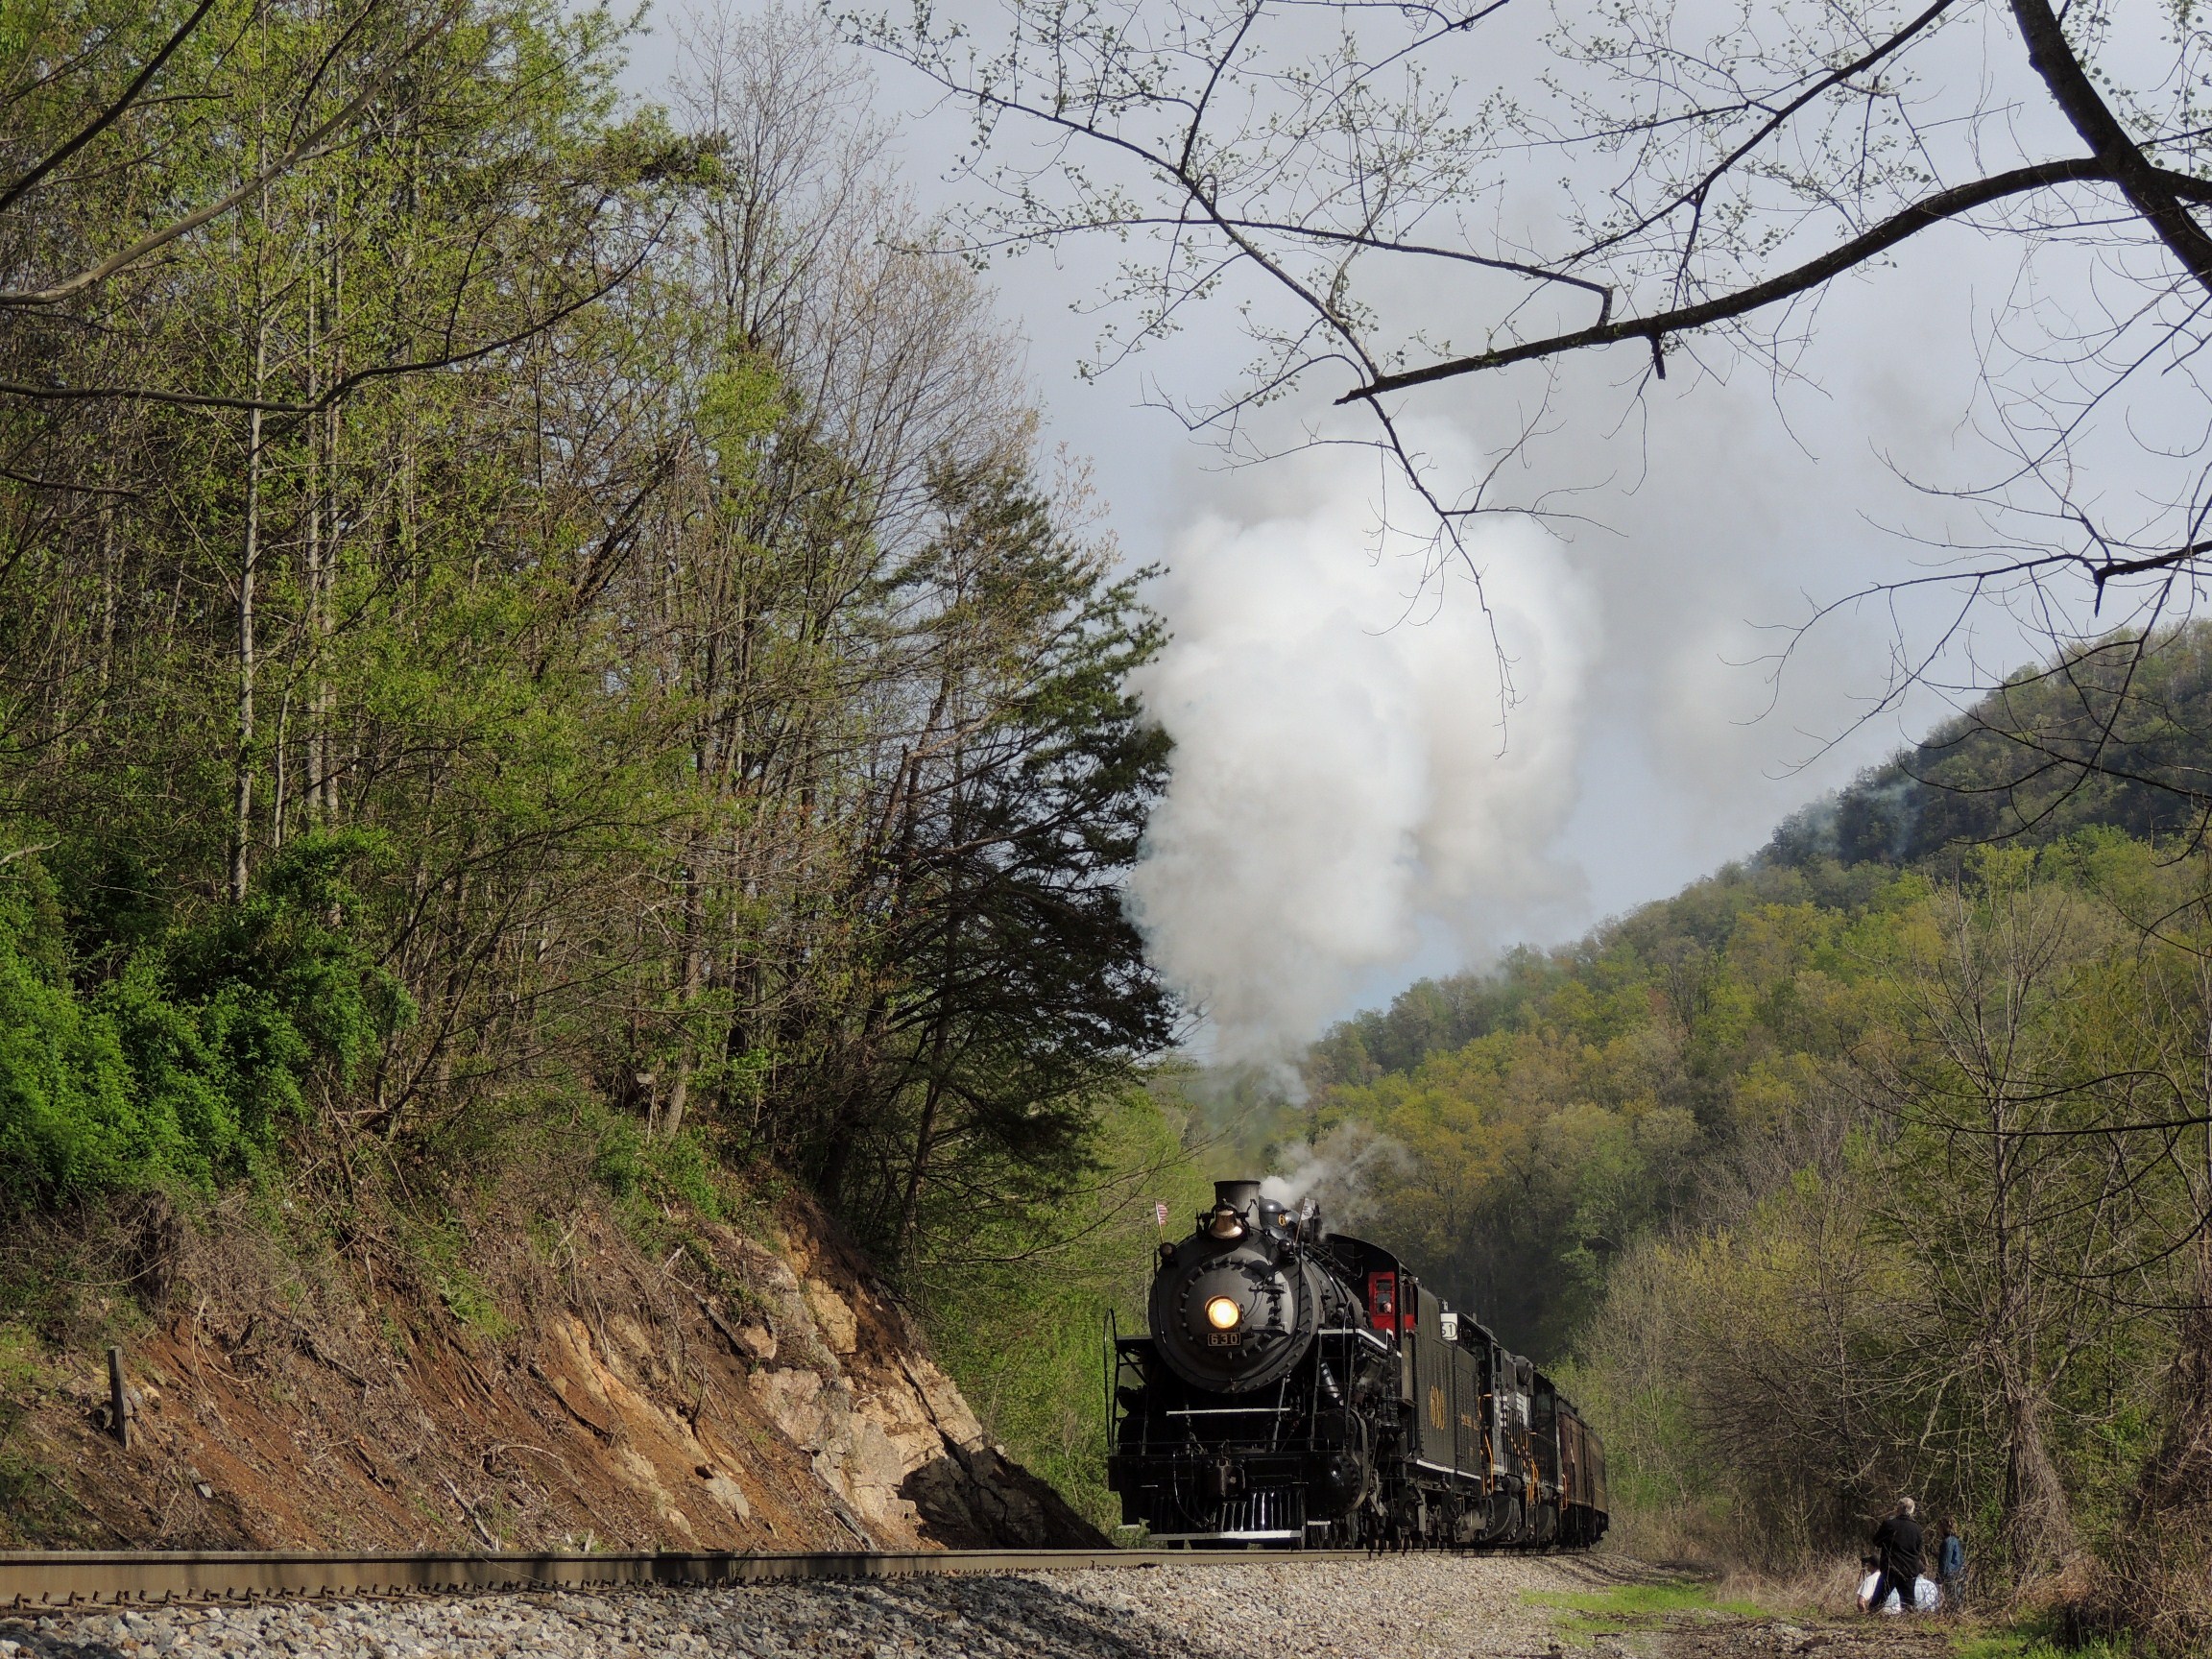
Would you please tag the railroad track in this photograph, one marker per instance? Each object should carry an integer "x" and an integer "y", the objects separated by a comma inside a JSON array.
[{"x": 62, "y": 1578}]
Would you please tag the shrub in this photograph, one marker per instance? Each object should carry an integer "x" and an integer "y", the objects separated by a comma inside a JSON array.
[{"x": 183, "y": 1069}]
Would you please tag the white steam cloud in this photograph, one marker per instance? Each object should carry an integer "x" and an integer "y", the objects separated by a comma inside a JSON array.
[
  {"x": 1341, "y": 776},
  {"x": 1337, "y": 1172}
]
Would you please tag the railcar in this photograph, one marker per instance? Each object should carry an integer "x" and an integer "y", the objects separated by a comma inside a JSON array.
[{"x": 1304, "y": 1388}]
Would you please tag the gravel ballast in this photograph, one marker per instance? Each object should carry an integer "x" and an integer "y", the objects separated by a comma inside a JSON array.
[{"x": 1465, "y": 1607}]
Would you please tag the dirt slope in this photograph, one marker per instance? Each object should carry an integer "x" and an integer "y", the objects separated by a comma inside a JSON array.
[{"x": 755, "y": 1393}]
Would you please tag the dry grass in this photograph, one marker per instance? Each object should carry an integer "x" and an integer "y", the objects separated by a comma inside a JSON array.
[
  {"x": 1829, "y": 1586},
  {"x": 1675, "y": 1536}
]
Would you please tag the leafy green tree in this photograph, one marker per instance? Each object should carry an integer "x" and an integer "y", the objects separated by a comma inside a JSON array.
[{"x": 1013, "y": 991}]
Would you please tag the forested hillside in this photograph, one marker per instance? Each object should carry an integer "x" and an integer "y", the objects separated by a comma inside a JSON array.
[
  {"x": 1835, "y": 1177},
  {"x": 2110, "y": 733},
  {"x": 534, "y": 637}
]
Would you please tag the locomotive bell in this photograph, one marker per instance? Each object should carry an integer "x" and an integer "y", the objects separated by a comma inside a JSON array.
[{"x": 1235, "y": 1207}]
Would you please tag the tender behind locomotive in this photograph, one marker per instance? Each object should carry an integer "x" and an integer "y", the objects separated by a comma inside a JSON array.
[{"x": 1304, "y": 1388}]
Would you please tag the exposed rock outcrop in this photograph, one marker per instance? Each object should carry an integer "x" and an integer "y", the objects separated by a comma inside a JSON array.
[{"x": 749, "y": 1392}]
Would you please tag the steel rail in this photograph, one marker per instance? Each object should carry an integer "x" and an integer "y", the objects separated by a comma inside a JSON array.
[{"x": 62, "y": 1578}]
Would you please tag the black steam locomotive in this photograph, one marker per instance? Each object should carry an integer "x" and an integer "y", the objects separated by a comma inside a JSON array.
[{"x": 1302, "y": 1387}]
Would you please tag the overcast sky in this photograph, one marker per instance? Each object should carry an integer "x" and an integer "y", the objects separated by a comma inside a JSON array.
[{"x": 1351, "y": 813}]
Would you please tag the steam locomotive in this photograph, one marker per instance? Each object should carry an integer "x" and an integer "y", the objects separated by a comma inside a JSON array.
[{"x": 1303, "y": 1388}]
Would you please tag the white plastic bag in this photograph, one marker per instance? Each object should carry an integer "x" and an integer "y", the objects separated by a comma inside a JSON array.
[{"x": 1925, "y": 1598}]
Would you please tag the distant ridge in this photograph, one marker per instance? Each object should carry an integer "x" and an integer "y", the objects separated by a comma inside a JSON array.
[{"x": 2118, "y": 733}]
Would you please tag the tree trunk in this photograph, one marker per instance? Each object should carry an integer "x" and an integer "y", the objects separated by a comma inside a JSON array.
[
  {"x": 311, "y": 761},
  {"x": 323, "y": 778},
  {"x": 242, "y": 822},
  {"x": 107, "y": 598},
  {"x": 2039, "y": 1522},
  {"x": 687, "y": 980},
  {"x": 910, "y": 1208},
  {"x": 2178, "y": 1476}
]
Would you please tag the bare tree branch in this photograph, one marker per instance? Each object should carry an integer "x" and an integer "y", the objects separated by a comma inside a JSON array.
[{"x": 1815, "y": 274}]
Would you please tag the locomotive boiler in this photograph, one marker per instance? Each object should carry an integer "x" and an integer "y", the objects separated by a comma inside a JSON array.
[{"x": 1304, "y": 1388}]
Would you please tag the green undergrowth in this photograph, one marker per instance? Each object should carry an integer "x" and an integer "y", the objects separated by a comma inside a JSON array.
[
  {"x": 2033, "y": 1641},
  {"x": 179, "y": 1060},
  {"x": 1627, "y": 1608}
]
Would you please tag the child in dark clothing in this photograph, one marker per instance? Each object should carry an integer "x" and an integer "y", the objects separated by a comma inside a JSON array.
[{"x": 1951, "y": 1566}]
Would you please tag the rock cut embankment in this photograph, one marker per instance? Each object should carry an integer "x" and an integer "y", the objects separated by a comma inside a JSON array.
[{"x": 753, "y": 1391}]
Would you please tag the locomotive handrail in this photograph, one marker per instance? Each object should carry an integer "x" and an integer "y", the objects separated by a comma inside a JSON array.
[{"x": 1226, "y": 1410}]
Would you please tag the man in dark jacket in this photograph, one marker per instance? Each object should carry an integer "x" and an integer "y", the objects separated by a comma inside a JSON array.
[{"x": 1897, "y": 1541}]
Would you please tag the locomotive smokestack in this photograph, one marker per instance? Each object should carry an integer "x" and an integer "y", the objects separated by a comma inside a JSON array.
[{"x": 1239, "y": 1196}]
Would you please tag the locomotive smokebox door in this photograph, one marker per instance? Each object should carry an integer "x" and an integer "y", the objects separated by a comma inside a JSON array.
[{"x": 1234, "y": 1308}]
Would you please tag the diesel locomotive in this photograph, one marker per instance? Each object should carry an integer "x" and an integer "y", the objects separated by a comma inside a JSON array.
[{"x": 1302, "y": 1387}]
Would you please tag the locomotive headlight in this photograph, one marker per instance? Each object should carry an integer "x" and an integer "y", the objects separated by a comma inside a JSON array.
[{"x": 1223, "y": 1314}]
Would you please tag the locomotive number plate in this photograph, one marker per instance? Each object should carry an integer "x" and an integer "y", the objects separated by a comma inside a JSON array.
[{"x": 1224, "y": 1339}]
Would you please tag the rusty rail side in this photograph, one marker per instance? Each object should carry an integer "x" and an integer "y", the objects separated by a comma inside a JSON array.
[{"x": 61, "y": 1577}]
